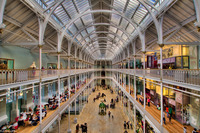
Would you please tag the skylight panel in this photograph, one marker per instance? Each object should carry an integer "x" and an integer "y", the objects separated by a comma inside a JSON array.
[
  {"x": 82, "y": 5},
  {"x": 69, "y": 6},
  {"x": 130, "y": 29},
  {"x": 124, "y": 36},
  {"x": 61, "y": 14},
  {"x": 132, "y": 6},
  {"x": 79, "y": 37},
  {"x": 119, "y": 5},
  {"x": 93, "y": 36},
  {"x": 119, "y": 32},
  {"x": 140, "y": 14},
  {"x": 115, "y": 19},
  {"x": 73, "y": 29},
  {"x": 116, "y": 39},
  {"x": 124, "y": 23},
  {"x": 79, "y": 24},
  {"x": 87, "y": 19},
  {"x": 110, "y": 35},
  {"x": 87, "y": 39},
  {"x": 83, "y": 42},
  {"x": 84, "y": 33},
  {"x": 90, "y": 29},
  {"x": 113, "y": 29},
  {"x": 120, "y": 42}
]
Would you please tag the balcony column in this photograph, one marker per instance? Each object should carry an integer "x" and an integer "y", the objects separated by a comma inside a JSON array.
[
  {"x": 129, "y": 109},
  {"x": 81, "y": 99},
  {"x": 135, "y": 91},
  {"x": 161, "y": 83},
  {"x": 75, "y": 119},
  {"x": 59, "y": 79},
  {"x": 59, "y": 119},
  {"x": 129, "y": 82},
  {"x": 69, "y": 91},
  {"x": 40, "y": 83},
  {"x": 135, "y": 121},
  {"x": 144, "y": 80},
  {"x": 144, "y": 124}
]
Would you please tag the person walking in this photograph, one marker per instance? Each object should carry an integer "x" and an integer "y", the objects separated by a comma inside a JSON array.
[
  {"x": 170, "y": 114},
  {"x": 86, "y": 127},
  {"x": 109, "y": 113},
  {"x": 77, "y": 128},
  {"x": 124, "y": 124},
  {"x": 184, "y": 129},
  {"x": 131, "y": 125},
  {"x": 164, "y": 118},
  {"x": 148, "y": 100},
  {"x": 125, "y": 131},
  {"x": 194, "y": 131},
  {"x": 127, "y": 124}
]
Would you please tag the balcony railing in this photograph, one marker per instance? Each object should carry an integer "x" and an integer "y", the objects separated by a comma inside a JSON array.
[
  {"x": 20, "y": 75},
  {"x": 191, "y": 76}
]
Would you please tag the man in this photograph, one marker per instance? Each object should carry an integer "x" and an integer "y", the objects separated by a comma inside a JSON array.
[
  {"x": 170, "y": 114},
  {"x": 124, "y": 124},
  {"x": 109, "y": 113},
  {"x": 164, "y": 118}
]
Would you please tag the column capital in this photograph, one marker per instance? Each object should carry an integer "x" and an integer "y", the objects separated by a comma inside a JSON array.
[
  {"x": 40, "y": 45},
  {"x": 161, "y": 45},
  {"x": 198, "y": 28},
  {"x": 144, "y": 52}
]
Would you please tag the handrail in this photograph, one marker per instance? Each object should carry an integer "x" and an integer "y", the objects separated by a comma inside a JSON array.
[
  {"x": 190, "y": 76},
  {"x": 46, "y": 123}
]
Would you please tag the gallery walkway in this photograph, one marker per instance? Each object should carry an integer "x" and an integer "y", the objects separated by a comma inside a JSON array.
[{"x": 97, "y": 123}]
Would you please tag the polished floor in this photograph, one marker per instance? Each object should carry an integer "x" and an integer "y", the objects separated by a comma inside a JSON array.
[
  {"x": 97, "y": 123},
  {"x": 173, "y": 127}
]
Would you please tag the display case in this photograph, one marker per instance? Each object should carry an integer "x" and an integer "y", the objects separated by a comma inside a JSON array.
[{"x": 6, "y": 63}]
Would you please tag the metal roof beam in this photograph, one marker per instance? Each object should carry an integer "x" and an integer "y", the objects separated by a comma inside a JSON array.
[{"x": 182, "y": 43}]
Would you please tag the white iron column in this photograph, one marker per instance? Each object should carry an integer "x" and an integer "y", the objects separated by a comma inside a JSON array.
[
  {"x": 144, "y": 80},
  {"x": 129, "y": 82},
  {"x": 144, "y": 124},
  {"x": 75, "y": 119},
  {"x": 135, "y": 121},
  {"x": 59, "y": 79},
  {"x": 2, "y": 7},
  {"x": 59, "y": 118},
  {"x": 40, "y": 84},
  {"x": 161, "y": 83},
  {"x": 135, "y": 91},
  {"x": 197, "y": 9},
  {"x": 69, "y": 91}
]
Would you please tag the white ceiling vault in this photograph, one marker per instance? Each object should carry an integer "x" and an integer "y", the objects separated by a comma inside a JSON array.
[{"x": 100, "y": 29}]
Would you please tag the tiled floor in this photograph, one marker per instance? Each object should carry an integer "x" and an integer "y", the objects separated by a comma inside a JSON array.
[{"x": 97, "y": 123}]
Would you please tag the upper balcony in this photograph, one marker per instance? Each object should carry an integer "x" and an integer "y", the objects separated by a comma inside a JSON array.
[
  {"x": 9, "y": 77},
  {"x": 180, "y": 77}
]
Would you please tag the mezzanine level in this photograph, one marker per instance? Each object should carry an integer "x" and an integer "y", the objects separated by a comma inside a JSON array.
[{"x": 180, "y": 77}]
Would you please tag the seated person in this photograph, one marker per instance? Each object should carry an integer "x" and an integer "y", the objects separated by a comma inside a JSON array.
[
  {"x": 30, "y": 109},
  {"x": 15, "y": 125},
  {"x": 158, "y": 107},
  {"x": 54, "y": 106},
  {"x": 49, "y": 101},
  {"x": 24, "y": 115},
  {"x": 35, "y": 109}
]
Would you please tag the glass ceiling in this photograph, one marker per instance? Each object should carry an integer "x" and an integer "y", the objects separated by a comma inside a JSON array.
[{"x": 119, "y": 31}]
